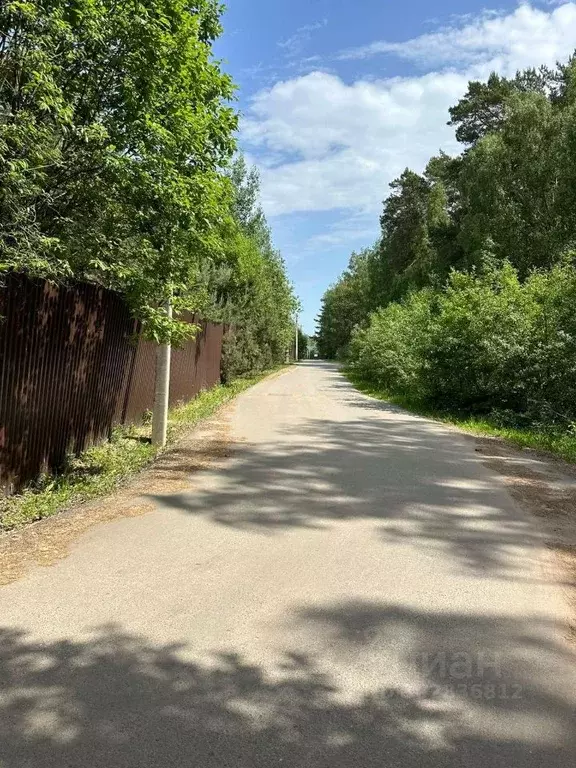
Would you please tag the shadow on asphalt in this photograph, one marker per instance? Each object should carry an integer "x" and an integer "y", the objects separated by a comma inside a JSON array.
[
  {"x": 406, "y": 472},
  {"x": 117, "y": 701}
]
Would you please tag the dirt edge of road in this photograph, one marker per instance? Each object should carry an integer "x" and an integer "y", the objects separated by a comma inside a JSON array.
[
  {"x": 545, "y": 486},
  {"x": 47, "y": 541}
]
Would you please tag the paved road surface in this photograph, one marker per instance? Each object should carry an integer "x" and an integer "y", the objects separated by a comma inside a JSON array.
[{"x": 352, "y": 588}]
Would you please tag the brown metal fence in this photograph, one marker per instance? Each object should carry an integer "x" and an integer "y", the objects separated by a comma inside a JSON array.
[{"x": 72, "y": 366}]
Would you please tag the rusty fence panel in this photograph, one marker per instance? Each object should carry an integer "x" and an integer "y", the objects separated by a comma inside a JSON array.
[{"x": 71, "y": 367}]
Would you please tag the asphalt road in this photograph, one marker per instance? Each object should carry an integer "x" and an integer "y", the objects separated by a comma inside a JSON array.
[{"x": 352, "y": 587}]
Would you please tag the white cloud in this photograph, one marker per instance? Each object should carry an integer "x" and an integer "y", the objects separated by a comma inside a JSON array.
[
  {"x": 323, "y": 144},
  {"x": 349, "y": 141},
  {"x": 514, "y": 37}
]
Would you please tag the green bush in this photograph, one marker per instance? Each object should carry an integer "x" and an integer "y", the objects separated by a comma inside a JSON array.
[
  {"x": 479, "y": 340},
  {"x": 243, "y": 355},
  {"x": 392, "y": 350},
  {"x": 486, "y": 343},
  {"x": 551, "y": 376}
]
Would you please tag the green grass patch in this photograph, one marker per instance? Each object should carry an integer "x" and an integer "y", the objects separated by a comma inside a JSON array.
[
  {"x": 101, "y": 468},
  {"x": 550, "y": 440}
]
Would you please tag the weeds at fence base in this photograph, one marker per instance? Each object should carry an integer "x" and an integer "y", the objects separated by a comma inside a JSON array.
[
  {"x": 102, "y": 468},
  {"x": 555, "y": 441}
]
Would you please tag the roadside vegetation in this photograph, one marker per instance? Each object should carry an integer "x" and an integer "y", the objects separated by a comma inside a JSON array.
[
  {"x": 464, "y": 309},
  {"x": 101, "y": 468},
  {"x": 118, "y": 166}
]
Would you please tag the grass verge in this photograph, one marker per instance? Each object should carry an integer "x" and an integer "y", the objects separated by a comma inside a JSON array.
[
  {"x": 558, "y": 443},
  {"x": 101, "y": 468}
]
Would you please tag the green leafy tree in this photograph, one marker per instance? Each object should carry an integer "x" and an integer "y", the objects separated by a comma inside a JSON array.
[
  {"x": 115, "y": 126},
  {"x": 257, "y": 298},
  {"x": 417, "y": 234},
  {"x": 474, "y": 273},
  {"x": 515, "y": 188},
  {"x": 481, "y": 110},
  {"x": 304, "y": 345},
  {"x": 346, "y": 304}
]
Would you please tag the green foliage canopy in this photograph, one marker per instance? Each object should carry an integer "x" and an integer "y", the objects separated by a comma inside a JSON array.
[
  {"x": 257, "y": 298},
  {"x": 467, "y": 300},
  {"x": 114, "y": 126}
]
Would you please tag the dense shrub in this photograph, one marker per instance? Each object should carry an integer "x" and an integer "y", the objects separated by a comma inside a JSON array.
[
  {"x": 478, "y": 347},
  {"x": 487, "y": 342},
  {"x": 245, "y": 354},
  {"x": 551, "y": 376},
  {"x": 392, "y": 350}
]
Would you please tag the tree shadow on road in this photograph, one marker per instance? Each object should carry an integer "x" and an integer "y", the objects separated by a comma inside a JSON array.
[
  {"x": 419, "y": 481},
  {"x": 120, "y": 700}
]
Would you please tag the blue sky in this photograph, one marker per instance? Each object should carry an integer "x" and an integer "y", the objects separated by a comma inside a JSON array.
[{"x": 338, "y": 97}]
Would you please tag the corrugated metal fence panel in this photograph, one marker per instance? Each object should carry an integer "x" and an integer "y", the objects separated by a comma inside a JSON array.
[
  {"x": 195, "y": 366},
  {"x": 70, "y": 369},
  {"x": 212, "y": 355},
  {"x": 65, "y": 356},
  {"x": 187, "y": 366},
  {"x": 140, "y": 393}
]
